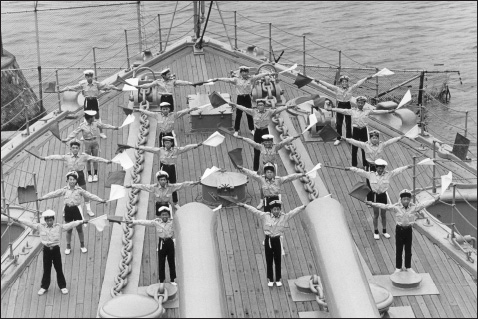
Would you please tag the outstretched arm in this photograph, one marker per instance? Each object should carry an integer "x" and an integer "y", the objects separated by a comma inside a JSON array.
[
  {"x": 253, "y": 210},
  {"x": 355, "y": 142},
  {"x": 393, "y": 140},
  {"x": 178, "y": 186},
  {"x": 291, "y": 177},
  {"x": 143, "y": 222},
  {"x": 107, "y": 126},
  {"x": 53, "y": 158},
  {"x": 149, "y": 113},
  {"x": 73, "y": 134},
  {"x": 54, "y": 194},
  {"x": 77, "y": 87},
  {"x": 189, "y": 147},
  {"x": 359, "y": 171},
  {"x": 149, "y": 85},
  {"x": 399, "y": 170},
  {"x": 227, "y": 80},
  {"x": 427, "y": 203},
  {"x": 327, "y": 85},
  {"x": 257, "y": 146},
  {"x": 250, "y": 173},
  {"x": 341, "y": 111},
  {"x": 280, "y": 109},
  {"x": 380, "y": 205},
  {"x": 242, "y": 108},
  {"x": 377, "y": 112},
  {"x": 143, "y": 187},
  {"x": 184, "y": 112},
  {"x": 286, "y": 141},
  {"x": 294, "y": 212},
  {"x": 359, "y": 83},
  {"x": 181, "y": 83},
  {"x": 150, "y": 149},
  {"x": 91, "y": 196}
]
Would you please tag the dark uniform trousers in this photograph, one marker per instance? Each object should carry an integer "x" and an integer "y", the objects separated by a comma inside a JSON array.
[
  {"x": 359, "y": 134},
  {"x": 340, "y": 120},
  {"x": 244, "y": 100},
  {"x": 171, "y": 170},
  {"x": 52, "y": 255},
  {"x": 258, "y": 139},
  {"x": 273, "y": 255},
  {"x": 166, "y": 250},
  {"x": 403, "y": 239}
]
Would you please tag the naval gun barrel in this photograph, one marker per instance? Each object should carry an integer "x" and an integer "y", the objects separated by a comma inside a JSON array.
[
  {"x": 346, "y": 288},
  {"x": 201, "y": 287}
]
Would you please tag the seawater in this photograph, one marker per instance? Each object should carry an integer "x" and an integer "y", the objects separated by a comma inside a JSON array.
[{"x": 428, "y": 35}]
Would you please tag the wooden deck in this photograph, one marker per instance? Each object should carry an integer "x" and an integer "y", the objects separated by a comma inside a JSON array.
[{"x": 239, "y": 234}]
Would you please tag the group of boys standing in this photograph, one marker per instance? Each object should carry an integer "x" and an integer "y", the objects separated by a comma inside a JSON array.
[{"x": 265, "y": 161}]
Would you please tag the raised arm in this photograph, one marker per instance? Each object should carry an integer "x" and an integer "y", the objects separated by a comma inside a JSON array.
[
  {"x": 73, "y": 224},
  {"x": 107, "y": 126},
  {"x": 227, "y": 80},
  {"x": 184, "y": 112},
  {"x": 250, "y": 173},
  {"x": 257, "y": 146},
  {"x": 280, "y": 109},
  {"x": 242, "y": 108},
  {"x": 143, "y": 222},
  {"x": 355, "y": 142},
  {"x": 377, "y": 112},
  {"x": 427, "y": 203},
  {"x": 327, "y": 85},
  {"x": 181, "y": 83},
  {"x": 149, "y": 113},
  {"x": 359, "y": 171},
  {"x": 54, "y": 194},
  {"x": 189, "y": 147},
  {"x": 144, "y": 187},
  {"x": 91, "y": 196},
  {"x": 27, "y": 223},
  {"x": 294, "y": 212},
  {"x": 291, "y": 177},
  {"x": 253, "y": 210},
  {"x": 392, "y": 140},
  {"x": 286, "y": 141},
  {"x": 150, "y": 149},
  {"x": 399, "y": 170},
  {"x": 359, "y": 83}
]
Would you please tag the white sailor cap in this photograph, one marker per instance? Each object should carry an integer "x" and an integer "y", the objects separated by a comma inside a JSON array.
[
  {"x": 89, "y": 72},
  {"x": 374, "y": 133},
  {"x": 405, "y": 193},
  {"x": 261, "y": 101},
  {"x": 163, "y": 104},
  {"x": 267, "y": 137},
  {"x": 361, "y": 98},
  {"x": 90, "y": 112},
  {"x": 380, "y": 162},
  {"x": 344, "y": 77},
  {"x": 243, "y": 68},
  {"x": 269, "y": 167},
  {"x": 48, "y": 213},
  {"x": 165, "y": 71},
  {"x": 72, "y": 173},
  {"x": 275, "y": 203},
  {"x": 168, "y": 138},
  {"x": 164, "y": 209},
  {"x": 161, "y": 174}
]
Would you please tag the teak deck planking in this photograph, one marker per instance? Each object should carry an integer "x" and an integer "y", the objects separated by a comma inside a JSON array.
[{"x": 239, "y": 233}]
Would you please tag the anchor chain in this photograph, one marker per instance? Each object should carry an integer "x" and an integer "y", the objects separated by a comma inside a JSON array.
[
  {"x": 121, "y": 279},
  {"x": 308, "y": 183},
  {"x": 315, "y": 285}
]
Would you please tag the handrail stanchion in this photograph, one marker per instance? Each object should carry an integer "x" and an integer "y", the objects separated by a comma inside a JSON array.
[
  {"x": 466, "y": 123},
  {"x": 303, "y": 56},
  {"x": 414, "y": 178},
  {"x": 376, "y": 84},
  {"x": 453, "y": 203},
  {"x": 37, "y": 205},
  {"x": 235, "y": 30},
  {"x": 26, "y": 120},
  {"x": 127, "y": 50},
  {"x": 140, "y": 37},
  {"x": 58, "y": 90},
  {"x": 40, "y": 88},
  {"x": 94, "y": 63},
  {"x": 270, "y": 41},
  {"x": 420, "y": 102},
  {"x": 7, "y": 210},
  {"x": 434, "y": 187},
  {"x": 160, "y": 37}
]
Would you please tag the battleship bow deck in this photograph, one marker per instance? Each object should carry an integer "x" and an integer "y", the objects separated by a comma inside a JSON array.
[{"x": 239, "y": 234}]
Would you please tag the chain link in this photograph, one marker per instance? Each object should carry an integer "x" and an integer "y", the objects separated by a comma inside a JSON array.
[
  {"x": 315, "y": 285},
  {"x": 121, "y": 279},
  {"x": 294, "y": 156}
]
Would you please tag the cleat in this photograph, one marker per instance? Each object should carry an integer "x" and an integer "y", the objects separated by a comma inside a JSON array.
[
  {"x": 67, "y": 251},
  {"x": 64, "y": 291},
  {"x": 102, "y": 135},
  {"x": 270, "y": 283},
  {"x": 90, "y": 178},
  {"x": 95, "y": 178},
  {"x": 386, "y": 235},
  {"x": 376, "y": 236},
  {"x": 83, "y": 249},
  {"x": 279, "y": 283},
  {"x": 41, "y": 291},
  {"x": 337, "y": 142}
]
